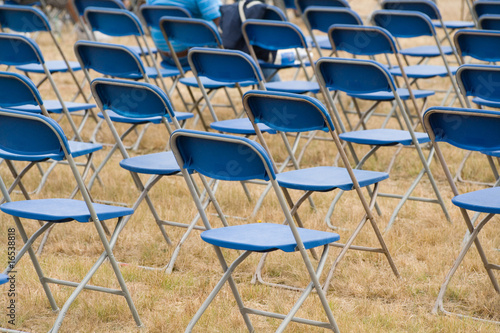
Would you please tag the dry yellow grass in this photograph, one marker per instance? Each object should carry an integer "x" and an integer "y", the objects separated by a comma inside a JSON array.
[{"x": 364, "y": 296}]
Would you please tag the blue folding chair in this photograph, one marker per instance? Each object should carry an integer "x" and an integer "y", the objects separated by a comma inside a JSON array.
[
  {"x": 18, "y": 50},
  {"x": 289, "y": 113},
  {"x": 210, "y": 155},
  {"x": 192, "y": 32},
  {"x": 26, "y": 19},
  {"x": 411, "y": 24},
  {"x": 274, "y": 36},
  {"x": 19, "y": 91},
  {"x": 302, "y": 5},
  {"x": 137, "y": 103},
  {"x": 350, "y": 76},
  {"x": 81, "y": 5},
  {"x": 35, "y": 136},
  {"x": 321, "y": 18},
  {"x": 472, "y": 130},
  {"x": 119, "y": 23},
  {"x": 484, "y": 7}
]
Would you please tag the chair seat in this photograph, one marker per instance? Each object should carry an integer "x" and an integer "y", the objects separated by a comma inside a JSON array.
[
  {"x": 76, "y": 149},
  {"x": 484, "y": 201},
  {"x": 294, "y": 87},
  {"x": 266, "y": 237},
  {"x": 455, "y": 24},
  {"x": 115, "y": 117},
  {"x": 327, "y": 178},
  {"x": 494, "y": 153},
  {"x": 143, "y": 51},
  {"x": 424, "y": 71},
  {"x": 212, "y": 84},
  {"x": 54, "y": 66},
  {"x": 54, "y": 106},
  {"x": 296, "y": 64},
  {"x": 166, "y": 65},
  {"x": 485, "y": 102},
  {"x": 323, "y": 42},
  {"x": 239, "y": 126},
  {"x": 152, "y": 73},
  {"x": 163, "y": 163},
  {"x": 4, "y": 278},
  {"x": 426, "y": 51},
  {"x": 61, "y": 210},
  {"x": 383, "y": 137},
  {"x": 403, "y": 93}
]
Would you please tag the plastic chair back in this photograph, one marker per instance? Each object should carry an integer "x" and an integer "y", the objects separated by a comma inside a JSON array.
[
  {"x": 321, "y": 18},
  {"x": 29, "y": 134},
  {"x": 478, "y": 44},
  {"x": 113, "y": 22},
  {"x": 190, "y": 32},
  {"x": 23, "y": 19},
  {"x": 18, "y": 50},
  {"x": 153, "y": 13},
  {"x": 273, "y": 35},
  {"x": 131, "y": 99},
  {"x": 17, "y": 89},
  {"x": 221, "y": 156},
  {"x": 287, "y": 112},
  {"x": 224, "y": 65},
  {"x": 81, "y": 5},
  {"x": 489, "y": 22},
  {"x": 470, "y": 129},
  {"x": 427, "y": 7},
  {"x": 302, "y": 5},
  {"x": 354, "y": 75},
  {"x": 109, "y": 59},
  {"x": 274, "y": 13},
  {"x": 404, "y": 24},
  {"x": 482, "y": 7},
  {"x": 481, "y": 81},
  {"x": 362, "y": 40}
]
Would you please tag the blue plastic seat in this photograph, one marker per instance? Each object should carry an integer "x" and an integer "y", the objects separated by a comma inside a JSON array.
[
  {"x": 82, "y": 5},
  {"x": 19, "y": 91},
  {"x": 209, "y": 154},
  {"x": 484, "y": 7},
  {"x": 489, "y": 22},
  {"x": 229, "y": 67},
  {"x": 291, "y": 113},
  {"x": 278, "y": 35},
  {"x": 302, "y": 5},
  {"x": 321, "y": 18},
  {"x": 18, "y": 50},
  {"x": 35, "y": 135},
  {"x": 350, "y": 76},
  {"x": 470, "y": 130}
]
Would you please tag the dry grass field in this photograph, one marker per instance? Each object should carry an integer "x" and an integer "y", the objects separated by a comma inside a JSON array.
[{"x": 364, "y": 296}]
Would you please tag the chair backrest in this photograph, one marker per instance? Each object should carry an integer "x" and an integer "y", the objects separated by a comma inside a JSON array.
[
  {"x": 23, "y": 19},
  {"x": 353, "y": 75},
  {"x": 427, "y": 7},
  {"x": 220, "y": 156},
  {"x": 113, "y": 22},
  {"x": 479, "y": 81},
  {"x": 273, "y": 35},
  {"x": 17, "y": 89},
  {"x": 404, "y": 24},
  {"x": 190, "y": 32},
  {"x": 153, "y": 13},
  {"x": 489, "y": 22},
  {"x": 34, "y": 135},
  {"x": 131, "y": 99},
  {"x": 109, "y": 59},
  {"x": 482, "y": 7},
  {"x": 321, "y": 18},
  {"x": 302, "y": 5},
  {"x": 274, "y": 13},
  {"x": 224, "y": 65},
  {"x": 287, "y": 112},
  {"x": 81, "y": 5},
  {"x": 361, "y": 40},
  {"x": 470, "y": 129},
  {"x": 479, "y": 44},
  {"x": 18, "y": 50}
]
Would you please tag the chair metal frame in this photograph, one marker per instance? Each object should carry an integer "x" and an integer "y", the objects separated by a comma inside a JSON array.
[
  {"x": 464, "y": 119},
  {"x": 92, "y": 217},
  {"x": 257, "y": 152}
]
